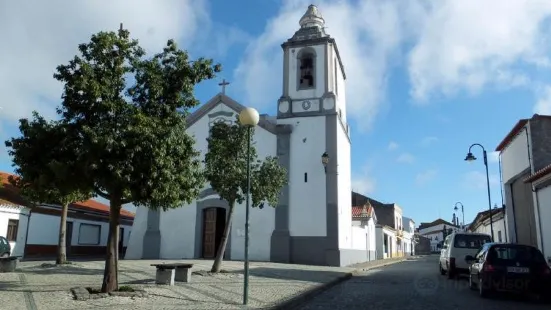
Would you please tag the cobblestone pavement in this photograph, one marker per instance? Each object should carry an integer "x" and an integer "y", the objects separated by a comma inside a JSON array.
[
  {"x": 41, "y": 285},
  {"x": 414, "y": 284}
]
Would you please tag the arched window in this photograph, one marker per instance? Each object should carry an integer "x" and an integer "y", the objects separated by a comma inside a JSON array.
[{"x": 306, "y": 68}]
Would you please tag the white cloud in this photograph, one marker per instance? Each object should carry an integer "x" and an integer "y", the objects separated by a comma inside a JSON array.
[
  {"x": 493, "y": 157},
  {"x": 367, "y": 33},
  {"x": 36, "y": 36},
  {"x": 392, "y": 146},
  {"x": 363, "y": 181},
  {"x": 405, "y": 158},
  {"x": 543, "y": 104},
  {"x": 470, "y": 44},
  {"x": 425, "y": 177},
  {"x": 427, "y": 141},
  {"x": 476, "y": 180}
]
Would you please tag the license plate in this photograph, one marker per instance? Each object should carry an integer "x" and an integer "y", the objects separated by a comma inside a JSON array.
[{"x": 518, "y": 269}]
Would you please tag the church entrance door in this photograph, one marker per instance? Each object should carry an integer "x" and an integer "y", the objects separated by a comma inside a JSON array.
[{"x": 214, "y": 220}]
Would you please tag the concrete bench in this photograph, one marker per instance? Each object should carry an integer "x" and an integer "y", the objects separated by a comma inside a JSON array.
[{"x": 168, "y": 273}]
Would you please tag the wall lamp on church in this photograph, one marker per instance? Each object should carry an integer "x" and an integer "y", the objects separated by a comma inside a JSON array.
[{"x": 325, "y": 160}]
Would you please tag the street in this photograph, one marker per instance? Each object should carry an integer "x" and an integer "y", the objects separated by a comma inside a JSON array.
[{"x": 413, "y": 284}]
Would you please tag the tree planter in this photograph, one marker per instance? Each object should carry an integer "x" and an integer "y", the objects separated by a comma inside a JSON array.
[{"x": 8, "y": 264}]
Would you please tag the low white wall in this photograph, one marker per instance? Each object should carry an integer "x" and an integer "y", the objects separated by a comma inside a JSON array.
[
  {"x": 44, "y": 230},
  {"x": 359, "y": 238}
]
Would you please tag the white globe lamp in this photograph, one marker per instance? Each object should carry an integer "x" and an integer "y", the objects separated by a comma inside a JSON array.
[{"x": 249, "y": 117}]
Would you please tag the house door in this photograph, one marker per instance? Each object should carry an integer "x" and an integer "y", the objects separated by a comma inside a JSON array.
[
  {"x": 214, "y": 220},
  {"x": 68, "y": 237}
]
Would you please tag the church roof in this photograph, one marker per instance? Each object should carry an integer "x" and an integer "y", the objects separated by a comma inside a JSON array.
[{"x": 264, "y": 122}]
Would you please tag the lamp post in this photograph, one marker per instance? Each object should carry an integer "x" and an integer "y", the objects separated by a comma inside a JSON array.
[
  {"x": 470, "y": 157},
  {"x": 462, "y": 213},
  {"x": 249, "y": 118}
]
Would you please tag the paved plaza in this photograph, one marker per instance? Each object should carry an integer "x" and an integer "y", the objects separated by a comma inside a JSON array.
[{"x": 41, "y": 285}]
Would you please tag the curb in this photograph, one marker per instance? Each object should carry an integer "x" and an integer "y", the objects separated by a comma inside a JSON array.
[{"x": 296, "y": 301}]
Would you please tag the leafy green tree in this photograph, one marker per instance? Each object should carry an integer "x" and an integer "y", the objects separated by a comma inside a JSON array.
[
  {"x": 226, "y": 170},
  {"x": 129, "y": 114},
  {"x": 47, "y": 171}
]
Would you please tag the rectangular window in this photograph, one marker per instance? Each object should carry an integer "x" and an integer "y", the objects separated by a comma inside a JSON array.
[
  {"x": 89, "y": 234},
  {"x": 305, "y": 177},
  {"x": 13, "y": 227}
]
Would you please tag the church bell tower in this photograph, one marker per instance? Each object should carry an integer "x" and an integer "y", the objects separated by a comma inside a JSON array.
[{"x": 314, "y": 222}]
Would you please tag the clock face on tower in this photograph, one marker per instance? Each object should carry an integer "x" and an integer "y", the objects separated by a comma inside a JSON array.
[{"x": 306, "y": 105}]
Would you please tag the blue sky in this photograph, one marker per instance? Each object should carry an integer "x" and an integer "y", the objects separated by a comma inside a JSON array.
[{"x": 425, "y": 79}]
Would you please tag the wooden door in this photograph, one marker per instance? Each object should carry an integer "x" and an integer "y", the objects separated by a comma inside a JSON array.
[
  {"x": 209, "y": 233},
  {"x": 68, "y": 237},
  {"x": 121, "y": 242}
]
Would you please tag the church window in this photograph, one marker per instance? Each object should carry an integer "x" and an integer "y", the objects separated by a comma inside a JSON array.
[
  {"x": 306, "y": 68},
  {"x": 305, "y": 177}
]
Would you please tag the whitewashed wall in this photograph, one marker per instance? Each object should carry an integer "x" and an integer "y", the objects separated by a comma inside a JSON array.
[
  {"x": 305, "y": 157},
  {"x": 44, "y": 230},
  {"x": 135, "y": 240},
  {"x": 514, "y": 158},
  {"x": 178, "y": 225},
  {"x": 345, "y": 188},
  {"x": 14, "y": 213},
  {"x": 498, "y": 223},
  {"x": 359, "y": 238}
]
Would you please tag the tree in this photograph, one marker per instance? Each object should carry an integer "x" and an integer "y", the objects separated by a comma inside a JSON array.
[
  {"x": 226, "y": 170},
  {"x": 129, "y": 114},
  {"x": 47, "y": 170}
]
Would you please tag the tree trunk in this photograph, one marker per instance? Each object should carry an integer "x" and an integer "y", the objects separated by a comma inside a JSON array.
[
  {"x": 111, "y": 272},
  {"x": 61, "y": 246},
  {"x": 222, "y": 248}
]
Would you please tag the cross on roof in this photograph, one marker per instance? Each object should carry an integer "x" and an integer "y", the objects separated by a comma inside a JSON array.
[{"x": 223, "y": 84}]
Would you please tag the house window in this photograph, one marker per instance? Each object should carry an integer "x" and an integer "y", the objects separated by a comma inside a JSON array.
[
  {"x": 499, "y": 236},
  {"x": 89, "y": 234},
  {"x": 13, "y": 226},
  {"x": 306, "y": 68}
]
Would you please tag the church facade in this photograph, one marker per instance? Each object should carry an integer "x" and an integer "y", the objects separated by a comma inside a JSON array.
[{"x": 312, "y": 223}]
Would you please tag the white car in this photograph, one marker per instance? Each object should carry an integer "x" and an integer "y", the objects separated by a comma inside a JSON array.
[{"x": 454, "y": 249}]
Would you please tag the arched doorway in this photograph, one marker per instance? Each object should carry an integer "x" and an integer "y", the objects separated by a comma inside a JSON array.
[{"x": 214, "y": 220}]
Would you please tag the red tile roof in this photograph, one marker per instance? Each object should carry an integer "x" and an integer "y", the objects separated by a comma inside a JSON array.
[
  {"x": 516, "y": 130},
  {"x": 539, "y": 174},
  {"x": 88, "y": 205},
  {"x": 357, "y": 211}
]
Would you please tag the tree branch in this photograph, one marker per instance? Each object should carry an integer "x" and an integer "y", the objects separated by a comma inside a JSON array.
[{"x": 100, "y": 193}]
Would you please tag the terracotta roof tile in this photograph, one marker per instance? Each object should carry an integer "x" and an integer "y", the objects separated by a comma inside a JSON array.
[
  {"x": 11, "y": 193},
  {"x": 357, "y": 211},
  {"x": 538, "y": 174}
]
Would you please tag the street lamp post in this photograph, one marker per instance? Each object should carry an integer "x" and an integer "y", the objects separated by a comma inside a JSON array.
[
  {"x": 462, "y": 213},
  {"x": 470, "y": 157},
  {"x": 248, "y": 117}
]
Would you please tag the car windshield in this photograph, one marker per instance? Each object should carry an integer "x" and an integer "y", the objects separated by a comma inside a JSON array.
[
  {"x": 511, "y": 254},
  {"x": 470, "y": 241}
]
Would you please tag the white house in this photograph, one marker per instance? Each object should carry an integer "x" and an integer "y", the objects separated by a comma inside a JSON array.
[
  {"x": 364, "y": 220},
  {"x": 434, "y": 231},
  {"x": 34, "y": 232},
  {"x": 524, "y": 158},
  {"x": 310, "y": 122},
  {"x": 481, "y": 224},
  {"x": 408, "y": 236}
]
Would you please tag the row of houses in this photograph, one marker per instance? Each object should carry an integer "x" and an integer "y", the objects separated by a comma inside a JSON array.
[
  {"x": 389, "y": 233},
  {"x": 33, "y": 231}
]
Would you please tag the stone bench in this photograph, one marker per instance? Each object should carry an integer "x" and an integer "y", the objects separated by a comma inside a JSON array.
[
  {"x": 168, "y": 273},
  {"x": 8, "y": 264}
]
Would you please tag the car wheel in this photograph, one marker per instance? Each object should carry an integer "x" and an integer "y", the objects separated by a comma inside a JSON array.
[
  {"x": 472, "y": 286},
  {"x": 442, "y": 271},
  {"x": 482, "y": 291},
  {"x": 451, "y": 273}
]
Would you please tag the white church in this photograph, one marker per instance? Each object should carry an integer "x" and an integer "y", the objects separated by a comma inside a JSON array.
[{"x": 312, "y": 223}]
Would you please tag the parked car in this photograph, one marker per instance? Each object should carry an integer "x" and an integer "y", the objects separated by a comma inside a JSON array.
[
  {"x": 509, "y": 267},
  {"x": 456, "y": 246},
  {"x": 5, "y": 248}
]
